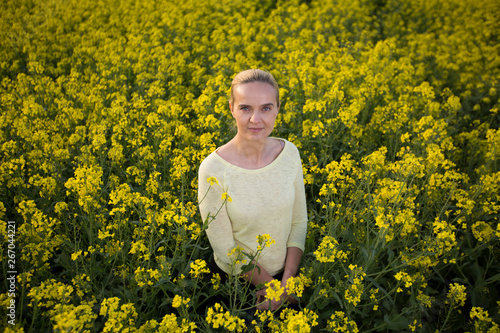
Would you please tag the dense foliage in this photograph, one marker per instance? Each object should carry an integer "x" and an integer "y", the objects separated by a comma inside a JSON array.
[{"x": 108, "y": 107}]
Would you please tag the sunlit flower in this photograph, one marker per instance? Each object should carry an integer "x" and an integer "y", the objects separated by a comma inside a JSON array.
[
  {"x": 339, "y": 322},
  {"x": 264, "y": 241},
  {"x": 217, "y": 317},
  {"x": 179, "y": 301},
  {"x": 274, "y": 290},
  {"x": 198, "y": 267},
  {"x": 212, "y": 181},
  {"x": 225, "y": 197},
  {"x": 328, "y": 251}
]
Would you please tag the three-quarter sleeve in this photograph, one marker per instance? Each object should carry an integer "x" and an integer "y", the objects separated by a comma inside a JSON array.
[
  {"x": 298, "y": 232},
  {"x": 213, "y": 211}
]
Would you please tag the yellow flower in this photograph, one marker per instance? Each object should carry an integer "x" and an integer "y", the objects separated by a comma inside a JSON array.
[
  {"x": 73, "y": 318},
  {"x": 87, "y": 186},
  {"x": 141, "y": 249},
  {"x": 274, "y": 290},
  {"x": 75, "y": 255},
  {"x": 456, "y": 295},
  {"x": 149, "y": 277},
  {"x": 212, "y": 181},
  {"x": 353, "y": 293},
  {"x": 328, "y": 251},
  {"x": 405, "y": 277},
  {"x": 297, "y": 321},
  {"x": 169, "y": 324},
  {"x": 425, "y": 300},
  {"x": 405, "y": 137},
  {"x": 225, "y": 197},
  {"x": 413, "y": 326},
  {"x": 216, "y": 317},
  {"x": 295, "y": 286},
  {"x": 237, "y": 256},
  {"x": 198, "y": 267},
  {"x": 215, "y": 280},
  {"x": 179, "y": 301},
  {"x": 60, "y": 207},
  {"x": 340, "y": 323},
  {"x": 264, "y": 241},
  {"x": 50, "y": 293},
  {"x": 482, "y": 231},
  {"x": 479, "y": 313},
  {"x": 119, "y": 318},
  {"x": 355, "y": 290}
]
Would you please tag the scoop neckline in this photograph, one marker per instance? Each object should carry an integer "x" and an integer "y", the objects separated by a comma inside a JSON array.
[{"x": 258, "y": 169}]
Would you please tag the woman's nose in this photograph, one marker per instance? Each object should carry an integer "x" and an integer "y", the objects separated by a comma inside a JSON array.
[{"x": 255, "y": 117}]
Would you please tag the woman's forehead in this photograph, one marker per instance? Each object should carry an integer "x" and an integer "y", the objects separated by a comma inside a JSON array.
[{"x": 260, "y": 91}]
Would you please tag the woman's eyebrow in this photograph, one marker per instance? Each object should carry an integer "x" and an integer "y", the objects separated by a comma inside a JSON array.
[{"x": 248, "y": 106}]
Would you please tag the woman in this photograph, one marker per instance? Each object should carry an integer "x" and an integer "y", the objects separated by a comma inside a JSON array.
[{"x": 263, "y": 177}]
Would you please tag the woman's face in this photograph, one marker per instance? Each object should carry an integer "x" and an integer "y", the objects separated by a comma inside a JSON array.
[{"x": 255, "y": 109}]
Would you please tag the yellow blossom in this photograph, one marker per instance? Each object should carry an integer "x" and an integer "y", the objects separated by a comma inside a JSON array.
[
  {"x": 328, "y": 251},
  {"x": 179, "y": 301},
  {"x": 225, "y": 197},
  {"x": 217, "y": 317},
  {"x": 212, "y": 181},
  {"x": 456, "y": 295},
  {"x": 339, "y": 322},
  {"x": 198, "y": 267},
  {"x": 274, "y": 290},
  {"x": 264, "y": 241}
]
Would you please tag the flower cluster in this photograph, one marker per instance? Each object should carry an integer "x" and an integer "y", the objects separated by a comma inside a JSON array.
[
  {"x": 456, "y": 295},
  {"x": 264, "y": 241},
  {"x": 198, "y": 267},
  {"x": 289, "y": 320},
  {"x": 179, "y": 301},
  {"x": 274, "y": 290},
  {"x": 356, "y": 288},
  {"x": 340, "y": 323},
  {"x": 217, "y": 317},
  {"x": 328, "y": 251},
  {"x": 295, "y": 285}
]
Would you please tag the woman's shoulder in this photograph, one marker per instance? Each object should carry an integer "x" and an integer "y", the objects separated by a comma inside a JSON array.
[
  {"x": 210, "y": 163},
  {"x": 291, "y": 148}
]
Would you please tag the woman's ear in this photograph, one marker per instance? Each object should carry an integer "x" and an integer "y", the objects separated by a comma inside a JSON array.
[{"x": 231, "y": 108}]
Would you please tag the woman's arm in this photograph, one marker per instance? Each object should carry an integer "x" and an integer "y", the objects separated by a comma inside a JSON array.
[
  {"x": 213, "y": 210},
  {"x": 257, "y": 276},
  {"x": 296, "y": 243},
  {"x": 292, "y": 262},
  {"x": 293, "y": 256}
]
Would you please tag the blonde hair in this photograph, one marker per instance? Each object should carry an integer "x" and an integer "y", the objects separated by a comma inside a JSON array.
[{"x": 255, "y": 75}]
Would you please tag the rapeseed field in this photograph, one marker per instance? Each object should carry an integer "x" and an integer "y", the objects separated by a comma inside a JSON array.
[{"x": 109, "y": 106}]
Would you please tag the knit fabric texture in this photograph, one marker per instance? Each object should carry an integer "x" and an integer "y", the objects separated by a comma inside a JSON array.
[{"x": 269, "y": 200}]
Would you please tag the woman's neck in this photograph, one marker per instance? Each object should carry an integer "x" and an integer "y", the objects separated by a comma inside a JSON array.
[
  {"x": 251, "y": 149},
  {"x": 251, "y": 155}
]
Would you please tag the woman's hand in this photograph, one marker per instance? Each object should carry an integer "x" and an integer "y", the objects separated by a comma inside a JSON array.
[
  {"x": 260, "y": 276},
  {"x": 263, "y": 303}
]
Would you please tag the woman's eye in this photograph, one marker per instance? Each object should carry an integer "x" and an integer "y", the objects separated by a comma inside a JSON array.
[
  {"x": 267, "y": 108},
  {"x": 245, "y": 109}
]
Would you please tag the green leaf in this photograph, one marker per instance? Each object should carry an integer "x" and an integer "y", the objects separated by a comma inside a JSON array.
[{"x": 396, "y": 322}]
